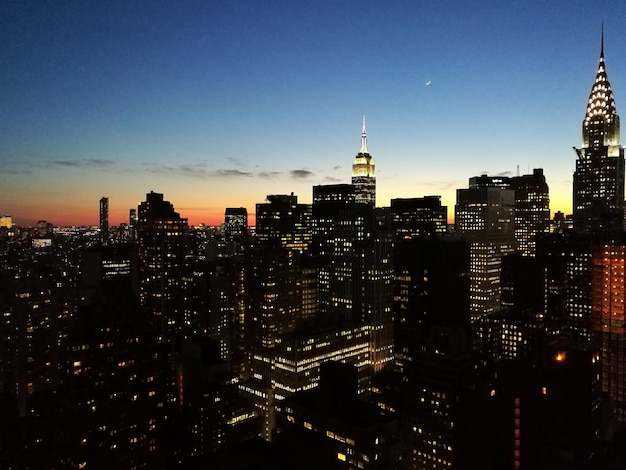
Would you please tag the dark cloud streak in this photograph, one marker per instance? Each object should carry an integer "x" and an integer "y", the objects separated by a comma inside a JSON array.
[{"x": 301, "y": 174}]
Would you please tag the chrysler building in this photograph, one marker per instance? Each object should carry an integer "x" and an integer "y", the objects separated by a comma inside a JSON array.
[{"x": 599, "y": 176}]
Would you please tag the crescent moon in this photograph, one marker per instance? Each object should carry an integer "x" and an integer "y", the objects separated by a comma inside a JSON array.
[{"x": 427, "y": 83}]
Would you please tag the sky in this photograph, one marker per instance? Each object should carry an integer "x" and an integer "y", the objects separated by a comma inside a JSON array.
[{"x": 220, "y": 103}]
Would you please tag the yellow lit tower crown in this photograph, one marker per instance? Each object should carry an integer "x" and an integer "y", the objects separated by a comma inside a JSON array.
[{"x": 363, "y": 172}]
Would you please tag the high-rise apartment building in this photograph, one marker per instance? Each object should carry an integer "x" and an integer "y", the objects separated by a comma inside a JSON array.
[
  {"x": 161, "y": 238},
  {"x": 599, "y": 176},
  {"x": 363, "y": 173},
  {"x": 114, "y": 370}
]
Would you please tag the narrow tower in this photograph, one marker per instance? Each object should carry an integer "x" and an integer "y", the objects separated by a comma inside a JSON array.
[
  {"x": 104, "y": 219},
  {"x": 363, "y": 175},
  {"x": 599, "y": 176}
]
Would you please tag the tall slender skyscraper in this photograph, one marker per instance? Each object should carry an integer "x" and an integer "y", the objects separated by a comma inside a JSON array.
[
  {"x": 363, "y": 173},
  {"x": 104, "y": 219},
  {"x": 599, "y": 176}
]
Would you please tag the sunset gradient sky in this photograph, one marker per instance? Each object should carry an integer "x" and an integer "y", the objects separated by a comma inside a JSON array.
[{"x": 219, "y": 103}]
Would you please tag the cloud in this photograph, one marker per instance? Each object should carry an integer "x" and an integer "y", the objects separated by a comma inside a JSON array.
[
  {"x": 232, "y": 173},
  {"x": 69, "y": 163},
  {"x": 338, "y": 167},
  {"x": 505, "y": 173},
  {"x": 332, "y": 179},
  {"x": 82, "y": 163},
  {"x": 301, "y": 174},
  {"x": 269, "y": 174}
]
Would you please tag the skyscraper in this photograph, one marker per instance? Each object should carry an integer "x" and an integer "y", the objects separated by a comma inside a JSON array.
[
  {"x": 608, "y": 294},
  {"x": 161, "y": 238},
  {"x": 363, "y": 173},
  {"x": 484, "y": 216},
  {"x": 418, "y": 217},
  {"x": 282, "y": 222},
  {"x": 356, "y": 277},
  {"x": 235, "y": 223},
  {"x": 599, "y": 176},
  {"x": 532, "y": 210},
  {"x": 104, "y": 219}
]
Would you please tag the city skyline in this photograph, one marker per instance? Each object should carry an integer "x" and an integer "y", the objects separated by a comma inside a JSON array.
[{"x": 219, "y": 105}]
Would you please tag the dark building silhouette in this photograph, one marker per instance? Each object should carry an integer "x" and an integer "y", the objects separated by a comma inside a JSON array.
[
  {"x": 282, "y": 222},
  {"x": 214, "y": 416},
  {"x": 439, "y": 402},
  {"x": 418, "y": 217},
  {"x": 331, "y": 427},
  {"x": 235, "y": 223},
  {"x": 161, "y": 239},
  {"x": 104, "y": 219},
  {"x": 115, "y": 371}
]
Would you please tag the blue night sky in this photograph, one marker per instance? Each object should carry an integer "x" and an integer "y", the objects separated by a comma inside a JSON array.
[{"x": 219, "y": 103}]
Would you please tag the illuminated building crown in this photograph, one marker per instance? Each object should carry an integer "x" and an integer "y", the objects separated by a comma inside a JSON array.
[{"x": 601, "y": 110}]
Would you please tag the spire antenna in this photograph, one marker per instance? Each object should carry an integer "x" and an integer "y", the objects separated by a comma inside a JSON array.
[
  {"x": 602, "y": 42},
  {"x": 363, "y": 138}
]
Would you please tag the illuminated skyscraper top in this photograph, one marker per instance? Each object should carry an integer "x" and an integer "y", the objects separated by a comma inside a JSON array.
[
  {"x": 363, "y": 174},
  {"x": 599, "y": 176},
  {"x": 601, "y": 123}
]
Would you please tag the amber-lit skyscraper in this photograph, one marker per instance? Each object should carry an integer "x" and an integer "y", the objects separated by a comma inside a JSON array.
[
  {"x": 608, "y": 295},
  {"x": 363, "y": 172},
  {"x": 599, "y": 176},
  {"x": 104, "y": 219}
]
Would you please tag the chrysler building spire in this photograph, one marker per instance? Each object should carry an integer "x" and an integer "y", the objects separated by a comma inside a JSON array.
[
  {"x": 363, "y": 172},
  {"x": 601, "y": 120}
]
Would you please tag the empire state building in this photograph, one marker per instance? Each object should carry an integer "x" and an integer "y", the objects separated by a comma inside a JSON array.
[
  {"x": 599, "y": 177},
  {"x": 363, "y": 175}
]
